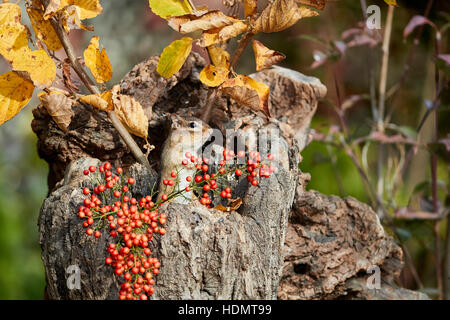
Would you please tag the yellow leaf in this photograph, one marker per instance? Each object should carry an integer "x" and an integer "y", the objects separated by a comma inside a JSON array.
[
  {"x": 203, "y": 21},
  {"x": 130, "y": 113},
  {"x": 13, "y": 40},
  {"x": 97, "y": 61},
  {"x": 265, "y": 57},
  {"x": 219, "y": 57},
  {"x": 391, "y": 2},
  {"x": 212, "y": 76},
  {"x": 43, "y": 29},
  {"x": 9, "y": 13},
  {"x": 71, "y": 19},
  {"x": 280, "y": 15},
  {"x": 173, "y": 57},
  {"x": 250, "y": 7},
  {"x": 101, "y": 101},
  {"x": 218, "y": 35},
  {"x": 248, "y": 92},
  {"x": 170, "y": 8},
  {"x": 38, "y": 65},
  {"x": 15, "y": 93},
  {"x": 87, "y": 8},
  {"x": 59, "y": 107}
]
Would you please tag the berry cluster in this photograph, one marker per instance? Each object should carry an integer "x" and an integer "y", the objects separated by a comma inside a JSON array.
[
  {"x": 205, "y": 184},
  {"x": 132, "y": 223}
]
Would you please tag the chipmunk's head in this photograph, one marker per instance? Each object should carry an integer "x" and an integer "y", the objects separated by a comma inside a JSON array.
[{"x": 190, "y": 130}]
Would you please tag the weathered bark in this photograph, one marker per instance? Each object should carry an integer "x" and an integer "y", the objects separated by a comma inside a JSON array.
[{"x": 208, "y": 254}]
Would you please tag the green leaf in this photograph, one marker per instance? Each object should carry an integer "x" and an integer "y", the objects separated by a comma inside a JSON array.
[
  {"x": 173, "y": 57},
  {"x": 170, "y": 8}
]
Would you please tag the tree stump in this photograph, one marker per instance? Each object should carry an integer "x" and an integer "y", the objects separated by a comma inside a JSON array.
[{"x": 206, "y": 253}]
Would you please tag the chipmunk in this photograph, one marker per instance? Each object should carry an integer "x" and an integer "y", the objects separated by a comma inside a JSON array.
[{"x": 186, "y": 135}]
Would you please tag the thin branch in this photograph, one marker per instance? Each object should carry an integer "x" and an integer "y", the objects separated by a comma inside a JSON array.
[
  {"x": 243, "y": 43},
  {"x": 90, "y": 85}
]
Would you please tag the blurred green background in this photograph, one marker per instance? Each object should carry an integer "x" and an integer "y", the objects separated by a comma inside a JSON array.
[{"x": 131, "y": 33}]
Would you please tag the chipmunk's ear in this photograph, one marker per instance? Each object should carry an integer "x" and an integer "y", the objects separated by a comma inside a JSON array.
[{"x": 177, "y": 121}]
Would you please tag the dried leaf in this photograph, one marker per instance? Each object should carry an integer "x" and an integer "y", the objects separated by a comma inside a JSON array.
[
  {"x": 102, "y": 101},
  {"x": 219, "y": 57},
  {"x": 59, "y": 107},
  {"x": 415, "y": 22},
  {"x": 173, "y": 57},
  {"x": 15, "y": 93},
  {"x": 204, "y": 21},
  {"x": 9, "y": 13},
  {"x": 43, "y": 29},
  {"x": 280, "y": 15},
  {"x": 38, "y": 65},
  {"x": 87, "y": 8},
  {"x": 13, "y": 41},
  {"x": 233, "y": 206},
  {"x": 170, "y": 8},
  {"x": 265, "y": 57},
  {"x": 97, "y": 61},
  {"x": 131, "y": 114},
  {"x": 250, "y": 7},
  {"x": 248, "y": 92},
  {"x": 218, "y": 35},
  {"x": 318, "y": 4}
]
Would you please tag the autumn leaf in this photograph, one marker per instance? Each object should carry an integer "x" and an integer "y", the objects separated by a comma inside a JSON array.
[
  {"x": 318, "y": 4},
  {"x": 59, "y": 107},
  {"x": 170, "y": 8},
  {"x": 250, "y": 7},
  {"x": 71, "y": 19},
  {"x": 391, "y": 2},
  {"x": 87, "y": 8},
  {"x": 15, "y": 93},
  {"x": 280, "y": 15},
  {"x": 13, "y": 41},
  {"x": 130, "y": 113},
  {"x": 102, "y": 101},
  {"x": 97, "y": 61},
  {"x": 204, "y": 21},
  {"x": 248, "y": 92},
  {"x": 219, "y": 57},
  {"x": 233, "y": 206},
  {"x": 173, "y": 57},
  {"x": 218, "y": 35},
  {"x": 43, "y": 29},
  {"x": 38, "y": 65},
  {"x": 214, "y": 75},
  {"x": 9, "y": 13},
  {"x": 265, "y": 57}
]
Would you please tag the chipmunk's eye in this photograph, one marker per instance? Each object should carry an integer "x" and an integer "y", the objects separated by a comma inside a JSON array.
[{"x": 192, "y": 124}]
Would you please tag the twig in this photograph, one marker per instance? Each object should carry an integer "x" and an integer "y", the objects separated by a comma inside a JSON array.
[
  {"x": 90, "y": 85},
  {"x": 243, "y": 43}
]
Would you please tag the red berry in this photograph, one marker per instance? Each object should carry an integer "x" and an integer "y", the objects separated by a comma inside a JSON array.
[
  {"x": 198, "y": 179},
  {"x": 117, "y": 194},
  {"x": 187, "y": 189},
  {"x": 206, "y": 187},
  {"x": 89, "y": 231},
  {"x": 86, "y": 172},
  {"x": 119, "y": 170},
  {"x": 86, "y": 191},
  {"x": 184, "y": 162},
  {"x": 188, "y": 178},
  {"x": 97, "y": 234},
  {"x": 204, "y": 168},
  {"x": 173, "y": 174},
  {"x": 164, "y": 197},
  {"x": 188, "y": 155},
  {"x": 131, "y": 181},
  {"x": 254, "y": 182},
  {"x": 238, "y": 172},
  {"x": 270, "y": 156},
  {"x": 92, "y": 169}
]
